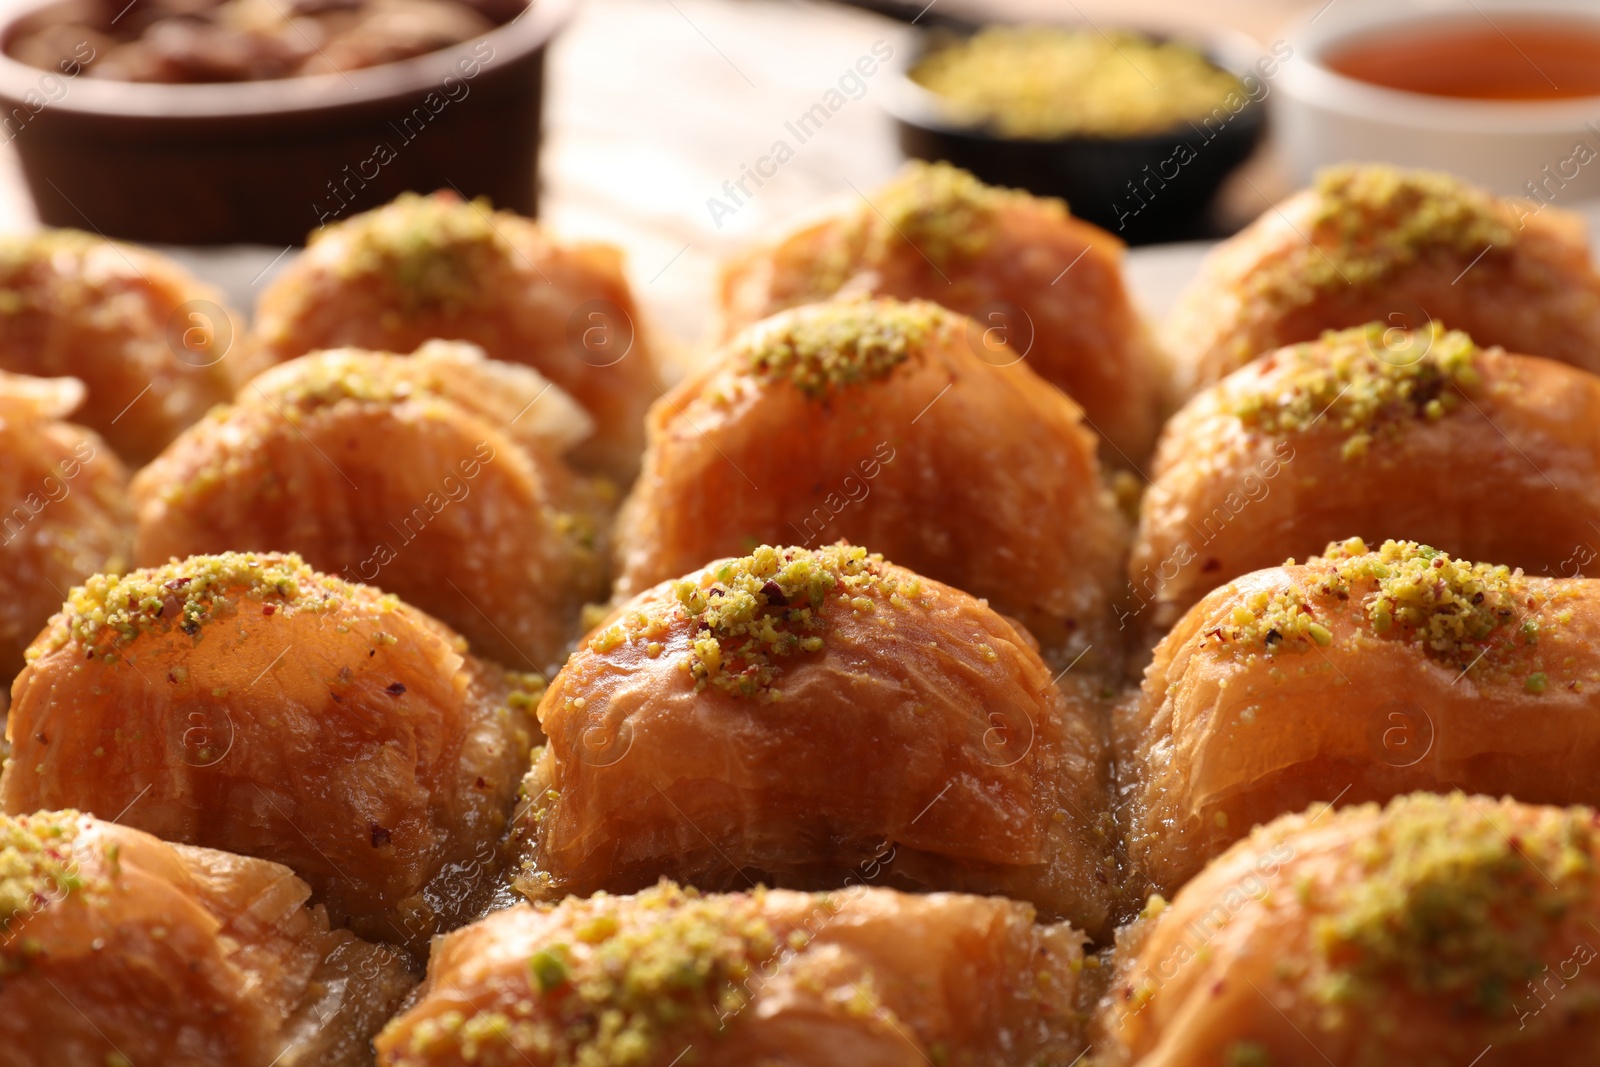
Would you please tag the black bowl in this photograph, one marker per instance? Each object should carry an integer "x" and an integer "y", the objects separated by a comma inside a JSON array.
[{"x": 1145, "y": 189}]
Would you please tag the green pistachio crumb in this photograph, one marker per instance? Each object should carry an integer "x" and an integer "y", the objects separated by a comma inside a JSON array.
[
  {"x": 549, "y": 968},
  {"x": 1048, "y": 82},
  {"x": 1247, "y": 1054},
  {"x": 828, "y": 347},
  {"x": 433, "y": 251},
  {"x": 665, "y": 962},
  {"x": 1457, "y": 612},
  {"x": 1458, "y": 897},
  {"x": 944, "y": 213},
  {"x": 1372, "y": 221},
  {"x": 36, "y": 864},
  {"x": 111, "y": 610},
  {"x": 752, "y": 612},
  {"x": 1360, "y": 381}
]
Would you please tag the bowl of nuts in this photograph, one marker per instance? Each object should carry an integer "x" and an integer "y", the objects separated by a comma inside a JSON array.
[
  {"x": 226, "y": 121},
  {"x": 1136, "y": 129}
]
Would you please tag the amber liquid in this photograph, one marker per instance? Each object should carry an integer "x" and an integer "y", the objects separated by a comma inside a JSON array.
[{"x": 1512, "y": 58}]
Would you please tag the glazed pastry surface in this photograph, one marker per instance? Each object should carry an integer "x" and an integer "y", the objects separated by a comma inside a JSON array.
[
  {"x": 435, "y": 476},
  {"x": 1040, "y": 285},
  {"x": 1375, "y": 243},
  {"x": 249, "y": 703},
  {"x": 119, "y": 948},
  {"x": 1357, "y": 676},
  {"x": 866, "y": 975},
  {"x": 421, "y": 268},
  {"x": 874, "y": 421},
  {"x": 795, "y": 715},
  {"x": 1373, "y": 433},
  {"x": 1434, "y": 929}
]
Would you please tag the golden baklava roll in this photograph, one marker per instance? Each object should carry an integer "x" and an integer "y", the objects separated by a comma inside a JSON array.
[
  {"x": 154, "y": 347},
  {"x": 425, "y": 267},
  {"x": 1378, "y": 433},
  {"x": 64, "y": 509},
  {"x": 863, "y": 976},
  {"x": 249, "y": 703},
  {"x": 118, "y": 948},
  {"x": 1357, "y": 676},
  {"x": 876, "y": 421},
  {"x": 1437, "y": 929},
  {"x": 1369, "y": 242},
  {"x": 797, "y": 715},
  {"x": 434, "y": 476},
  {"x": 1041, "y": 286}
]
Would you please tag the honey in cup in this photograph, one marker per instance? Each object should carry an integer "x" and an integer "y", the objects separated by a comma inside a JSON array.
[{"x": 1515, "y": 57}]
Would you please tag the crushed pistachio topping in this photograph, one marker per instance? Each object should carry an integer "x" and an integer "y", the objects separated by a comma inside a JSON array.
[
  {"x": 83, "y": 276},
  {"x": 1047, "y": 82},
  {"x": 433, "y": 249},
  {"x": 945, "y": 213},
  {"x": 943, "y": 210},
  {"x": 753, "y": 611},
  {"x": 453, "y": 371},
  {"x": 109, "y": 610},
  {"x": 1276, "y": 621},
  {"x": 1247, "y": 1054},
  {"x": 1372, "y": 221},
  {"x": 746, "y": 616},
  {"x": 649, "y": 627},
  {"x": 845, "y": 342},
  {"x": 1362, "y": 380},
  {"x": 36, "y": 863},
  {"x": 1456, "y": 611},
  {"x": 20, "y": 251},
  {"x": 372, "y": 377},
  {"x": 526, "y": 689},
  {"x": 1426, "y": 596},
  {"x": 1458, "y": 898},
  {"x": 666, "y": 961}
]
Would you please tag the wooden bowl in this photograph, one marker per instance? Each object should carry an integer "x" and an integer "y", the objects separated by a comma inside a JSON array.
[{"x": 269, "y": 161}]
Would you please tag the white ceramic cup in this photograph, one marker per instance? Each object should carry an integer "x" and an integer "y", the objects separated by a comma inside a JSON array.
[{"x": 1526, "y": 148}]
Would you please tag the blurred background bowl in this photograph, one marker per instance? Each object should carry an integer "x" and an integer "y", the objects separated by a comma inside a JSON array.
[
  {"x": 1119, "y": 183},
  {"x": 1322, "y": 117},
  {"x": 268, "y": 161}
]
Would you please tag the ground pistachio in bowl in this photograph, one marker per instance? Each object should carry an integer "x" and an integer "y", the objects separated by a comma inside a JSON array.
[{"x": 1047, "y": 82}]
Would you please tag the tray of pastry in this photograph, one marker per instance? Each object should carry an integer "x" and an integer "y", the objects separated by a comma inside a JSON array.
[{"x": 955, "y": 666}]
